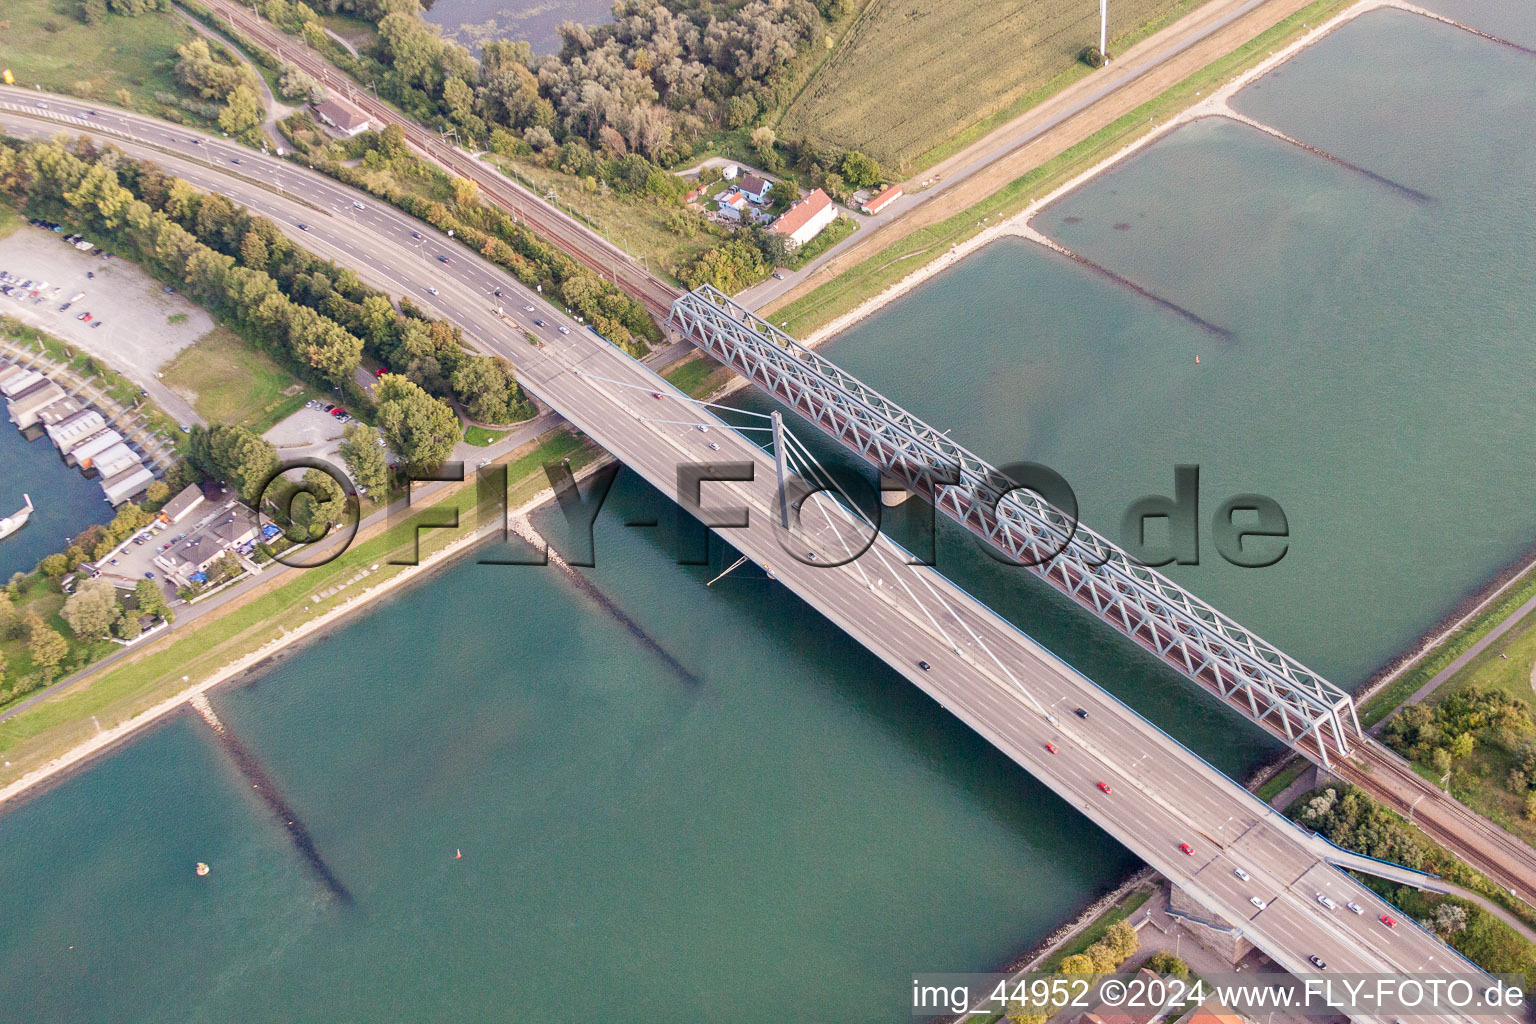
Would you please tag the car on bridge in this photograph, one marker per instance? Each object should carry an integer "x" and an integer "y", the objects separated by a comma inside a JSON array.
[
  {"x": 1388, "y": 921},
  {"x": 1317, "y": 962},
  {"x": 1051, "y": 748},
  {"x": 1257, "y": 902},
  {"x": 924, "y": 666},
  {"x": 1188, "y": 850},
  {"x": 1105, "y": 787},
  {"x": 1240, "y": 873},
  {"x": 1081, "y": 713}
]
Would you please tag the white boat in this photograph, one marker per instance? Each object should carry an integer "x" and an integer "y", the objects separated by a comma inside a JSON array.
[{"x": 11, "y": 523}]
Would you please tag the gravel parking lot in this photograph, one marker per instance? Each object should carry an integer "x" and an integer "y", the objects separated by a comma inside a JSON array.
[
  {"x": 309, "y": 433},
  {"x": 136, "y": 337}
]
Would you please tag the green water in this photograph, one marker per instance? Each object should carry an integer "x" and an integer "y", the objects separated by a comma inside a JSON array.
[
  {"x": 783, "y": 840},
  {"x": 1378, "y": 380},
  {"x": 784, "y": 830},
  {"x": 65, "y": 502}
]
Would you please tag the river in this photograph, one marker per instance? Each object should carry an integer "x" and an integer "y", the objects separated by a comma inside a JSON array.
[
  {"x": 767, "y": 824},
  {"x": 66, "y": 502}
]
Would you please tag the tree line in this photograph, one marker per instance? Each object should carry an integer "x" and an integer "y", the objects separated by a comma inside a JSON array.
[{"x": 308, "y": 312}]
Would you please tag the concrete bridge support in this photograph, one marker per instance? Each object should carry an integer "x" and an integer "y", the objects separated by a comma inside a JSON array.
[
  {"x": 1210, "y": 930},
  {"x": 892, "y": 493}
]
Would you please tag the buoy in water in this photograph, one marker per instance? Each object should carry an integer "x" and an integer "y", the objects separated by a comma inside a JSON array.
[
  {"x": 458, "y": 854},
  {"x": 202, "y": 869},
  {"x": 1197, "y": 360}
]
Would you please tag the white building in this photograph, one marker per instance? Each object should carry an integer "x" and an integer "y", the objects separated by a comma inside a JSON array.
[
  {"x": 806, "y": 218},
  {"x": 343, "y": 116}
]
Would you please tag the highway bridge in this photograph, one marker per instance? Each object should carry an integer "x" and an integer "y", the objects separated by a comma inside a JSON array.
[{"x": 1127, "y": 776}]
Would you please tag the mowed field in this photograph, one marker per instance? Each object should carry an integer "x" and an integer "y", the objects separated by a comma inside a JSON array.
[
  {"x": 909, "y": 74},
  {"x": 46, "y": 42}
]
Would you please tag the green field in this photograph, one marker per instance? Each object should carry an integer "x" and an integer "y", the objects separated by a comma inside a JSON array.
[
  {"x": 482, "y": 438},
  {"x": 233, "y": 382},
  {"x": 905, "y": 77},
  {"x": 45, "y": 42}
]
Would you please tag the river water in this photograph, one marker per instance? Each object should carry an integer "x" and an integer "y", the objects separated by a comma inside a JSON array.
[
  {"x": 762, "y": 822},
  {"x": 473, "y": 22},
  {"x": 65, "y": 501}
]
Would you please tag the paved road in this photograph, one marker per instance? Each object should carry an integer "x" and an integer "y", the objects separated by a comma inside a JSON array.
[
  {"x": 1514, "y": 619},
  {"x": 1011, "y": 690}
]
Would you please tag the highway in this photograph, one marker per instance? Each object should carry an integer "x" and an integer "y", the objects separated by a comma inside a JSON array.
[{"x": 999, "y": 681}]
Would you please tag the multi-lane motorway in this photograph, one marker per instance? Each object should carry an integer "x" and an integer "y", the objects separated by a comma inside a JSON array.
[{"x": 1008, "y": 688}]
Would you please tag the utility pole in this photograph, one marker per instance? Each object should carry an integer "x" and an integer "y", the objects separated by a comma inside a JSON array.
[
  {"x": 1104, "y": 30},
  {"x": 778, "y": 463}
]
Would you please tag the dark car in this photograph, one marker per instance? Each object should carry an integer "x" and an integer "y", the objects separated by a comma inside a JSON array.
[
  {"x": 1081, "y": 713},
  {"x": 1317, "y": 962},
  {"x": 924, "y": 666},
  {"x": 442, "y": 259},
  {"x": 415, "y": 234},
  {"x": 538, "y": 323},
  {"x": 302, "y": 227},
  {"x": 149, "y": 575}
]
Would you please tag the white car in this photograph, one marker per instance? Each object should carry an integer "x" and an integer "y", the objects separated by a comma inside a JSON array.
[
  {"x": 1355, "y": 907},
  {"x": 1257, "y": 902},
  {"x": 528, "y": 307},
  {"x": 1240, "y": 873},
  {"x": 565, "y": 330},
  {"x": 431, "y": 291},
  {"x": 1325, "y": 901}
]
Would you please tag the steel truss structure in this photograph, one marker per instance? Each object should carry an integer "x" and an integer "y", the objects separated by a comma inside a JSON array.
[{"x": 1241, "y": 668}]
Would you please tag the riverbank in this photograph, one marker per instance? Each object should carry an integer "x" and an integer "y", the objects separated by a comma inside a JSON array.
[{"x": 47, "y": 744}]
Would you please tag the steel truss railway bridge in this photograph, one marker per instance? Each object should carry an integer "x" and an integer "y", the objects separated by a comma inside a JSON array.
[{"x": 1244, "y": 670}]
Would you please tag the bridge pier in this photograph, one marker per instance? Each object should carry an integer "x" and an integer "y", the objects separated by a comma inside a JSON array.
[
  {"x": 891, "y": 491},
  {"x": 1208, "y": 929}
]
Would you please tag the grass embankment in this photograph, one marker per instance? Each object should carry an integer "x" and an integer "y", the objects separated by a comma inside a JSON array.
[
  {"x": 231, "y": 381},
  {"x": 1387, "y": 700},
  {"x": 481, "y": 437},
  {"x": 989, "y": 59},
  {"x": 1096, "y": 928},
  {"x": 45, "y": 42},
  {"x": 889, "y": 266},
  {"x": 697, "y": 376},
  {"x": 164, "y": 667},
  {"x": 1276, "y": 783},
  {"x": 10, "y": 220}
]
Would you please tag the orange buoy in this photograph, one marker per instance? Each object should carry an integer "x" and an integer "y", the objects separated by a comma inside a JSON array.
[
  {"x": 1197, "y": 360},
  {"x": 202, "y": 869},
  {"x": 458, "y": 854}
]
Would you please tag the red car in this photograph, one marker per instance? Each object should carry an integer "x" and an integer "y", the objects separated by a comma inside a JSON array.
[
  {"x": 381, "y": 371},
  {"x": 1388, "y": 921},
  {"x": 1187, "y": 849},
  {"x": 1051, "y": 747},
  {"x": 1105, "y": 787},
  {"x": 655, "y": 394}
]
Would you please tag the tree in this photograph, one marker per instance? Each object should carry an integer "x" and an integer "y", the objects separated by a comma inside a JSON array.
[
  {"x": 1440, "y": 760},
  {"x": 1462, "y": 746},
  {"x": 313, "y": 509},
  {"x": 859, "y": 170},
  {"x": 234, "y": 455},
  {"x": 243, "y": 113},
  {"x": 294, "y": 83},
  {"x": 47, "y": 648},
  {"x": 421, "y": 429},
  {"x": 364, "y": 456},
  {"x": 488, "y": 389},
  {"x": 93, "y": 11},
  {"x": 465, "y": 194},
  {"x": 54, "y": 566},
  {"x": 1078, "y": 963},
  {"x": 1530, "y": 807},
  {"x": 1448, "y": 919},
  {"x": 1165, "y": 963},
  {"x": 92, "y": 609},
  {"x": 763, "y": 140},
  {"x": 151, "y": 600}
]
